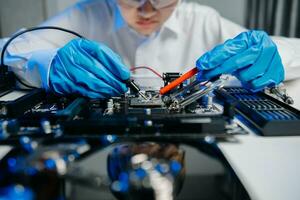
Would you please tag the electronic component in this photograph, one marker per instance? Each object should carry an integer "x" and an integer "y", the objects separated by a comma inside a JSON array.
[
  {"x": 15, "y": 103},
  {"x": 189, "y": 94},
  {"x": 135, "y": 88},
  {"x": 138, "y": 102},
  {"x": 133, "y": 169},
  {"x": 178, "y": 81},
  {"x": 281, "y": 94},
  {"x": 135, "y": 115},
  {"x": 269, "y": 116},
  {"x": 170, "y": 77},
  {"x": 155, "y": 170}
]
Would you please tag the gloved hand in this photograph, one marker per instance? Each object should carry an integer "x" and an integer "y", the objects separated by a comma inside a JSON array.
[
  {"x": 251, "y": 56},
  {"x": 88, "y": 68}
]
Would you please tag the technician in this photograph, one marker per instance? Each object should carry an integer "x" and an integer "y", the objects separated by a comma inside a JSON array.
[{"x": 168, "y": 35}]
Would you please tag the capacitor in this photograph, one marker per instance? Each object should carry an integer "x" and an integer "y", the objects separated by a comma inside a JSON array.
[
  {"x": 28, "y": 144},
  {"x": 8, "y": 127},
  {"x": 46, "y": 126},
  {"x": 207, "y": 101},
  {"x": 110, "y": 107},
  {"x": 148, "y": 111},
  {"x": 148, "y": 123}
]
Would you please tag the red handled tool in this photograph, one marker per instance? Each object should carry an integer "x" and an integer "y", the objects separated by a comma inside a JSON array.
[{"x": 178, "y": 81}]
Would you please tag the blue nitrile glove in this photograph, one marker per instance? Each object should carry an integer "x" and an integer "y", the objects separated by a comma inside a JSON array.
[
  {"x": 251, "y": 56},
  {"x": 89, "y": 69}
]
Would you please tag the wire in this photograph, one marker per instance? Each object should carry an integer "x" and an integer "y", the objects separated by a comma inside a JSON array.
[
  {"x": 4, "y": 68},
  {"x": 148, "y": 68}
]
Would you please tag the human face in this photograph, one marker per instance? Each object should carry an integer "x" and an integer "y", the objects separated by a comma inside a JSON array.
[{"x": 145, "y": 18}]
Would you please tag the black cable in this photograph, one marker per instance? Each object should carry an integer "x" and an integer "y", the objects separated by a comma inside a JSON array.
[{"x": 4, "y": 68}]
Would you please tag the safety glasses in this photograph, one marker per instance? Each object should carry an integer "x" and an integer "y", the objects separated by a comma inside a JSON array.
[{"x": 157, "y": 4}]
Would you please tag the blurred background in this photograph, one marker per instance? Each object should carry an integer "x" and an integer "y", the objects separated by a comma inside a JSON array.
[
  {"x": 277, "y": 17},
  {"x": 29, "y": 13}
]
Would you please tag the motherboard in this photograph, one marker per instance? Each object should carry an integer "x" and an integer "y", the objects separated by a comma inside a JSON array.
[{"x": 147, "y": 141}]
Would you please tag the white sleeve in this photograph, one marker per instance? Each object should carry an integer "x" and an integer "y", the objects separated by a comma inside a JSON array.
[
  {"x": 229, "y": 29},
  {"x": 289, "y": 50},
  {"x": 30, "y": 55}
]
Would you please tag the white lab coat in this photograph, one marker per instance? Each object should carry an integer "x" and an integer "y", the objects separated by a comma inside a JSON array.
[{"x": 190, "y": 31}]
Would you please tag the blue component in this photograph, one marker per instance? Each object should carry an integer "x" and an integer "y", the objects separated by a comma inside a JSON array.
[
  {"x": 124, "y": 186},
  {"x": 50, "y": 164},
  {"x": 26, "y": 144},
  {"x": 108, "y": 139},
  {"x": 75, "y": 154},
  {"x": 158, "y": 168},
  {"x": 175, "y": 167},
  {"x": 16, "y": 192},
  {"x": 3, "y": 135},
  {"x": 65, "y": 158},
  {"x": 140, "y": 173},
  {"x": 31, "y": 171},
  {"x": 81, "y": 142},
  {"x": 12, "y": 162},
  {"x": 89, "y": 69},
  {"x": 162, "y": 169},
  {"x": 25, "y": 140},
  {"x": 123, "y": 177},
  {"x": 124, "y": 182},
  {"x": 251, "y": 56}
]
